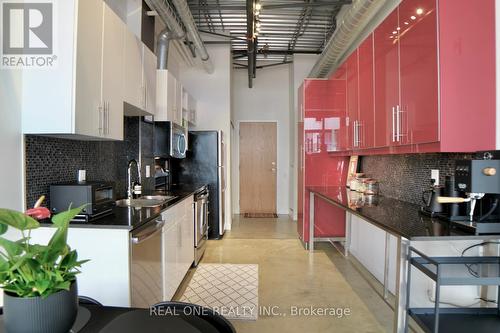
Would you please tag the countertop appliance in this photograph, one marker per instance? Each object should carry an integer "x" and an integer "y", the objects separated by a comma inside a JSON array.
[
  {"x": 169, "y": 140},
  {"x": 431, "y": 206},
  {"x": 146, "y": 274},
  {"x": 478, "y": 185},
  {"x": 97, "y": 195},
  {"x": 204, "y": 164},
  {"x": 201, "y": 199}
]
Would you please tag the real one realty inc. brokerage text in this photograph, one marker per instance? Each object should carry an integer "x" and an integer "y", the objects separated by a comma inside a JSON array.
[{"x": 244, "y": 311}]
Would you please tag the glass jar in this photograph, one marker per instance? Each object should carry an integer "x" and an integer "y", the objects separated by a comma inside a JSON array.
[
  {"x": 371, "y": 187},
  {"x": 356, "y": 181}
]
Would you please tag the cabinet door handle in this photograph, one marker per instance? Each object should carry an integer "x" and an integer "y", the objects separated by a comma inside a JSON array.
[
  {"x": 398, "y": 124},
  {"x": 358, "y": 133},
  {"x": 101, "y": 119},
  {"x": 393, "y": 133},
  {"x": 106, "y": 118},
  {"x": 104, "y": 121}
]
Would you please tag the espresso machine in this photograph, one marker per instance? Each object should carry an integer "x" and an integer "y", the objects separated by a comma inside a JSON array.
[{"x": 477, "y": 185}]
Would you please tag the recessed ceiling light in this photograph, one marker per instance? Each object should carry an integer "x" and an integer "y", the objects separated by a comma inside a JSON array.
[
  {"x": 413, "y": 17},
  {"x": 420, "y": 11},
  {"x": 406, "y": 23},
  {"x": 394, "y": 32},
  {"x": 398, "y": 28}
]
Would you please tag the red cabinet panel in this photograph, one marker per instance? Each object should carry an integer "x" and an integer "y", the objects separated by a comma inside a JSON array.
[
  {"x": 418, "y": 72},
  {"x": 324, "y": 105},
  {"x": 366, "y": 98},
  {"x": 337, "y": 88},
  {"x": 386, "y": 60},
  {"x": 352, "y": 100}
]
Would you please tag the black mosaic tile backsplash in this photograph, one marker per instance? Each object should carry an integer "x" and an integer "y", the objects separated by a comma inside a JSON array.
[
  {"x": 405, "y": 177},
  {"x": 52, "y": 160}
]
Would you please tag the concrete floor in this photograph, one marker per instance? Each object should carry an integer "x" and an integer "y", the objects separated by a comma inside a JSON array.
[{"x": 291, "y": 278}]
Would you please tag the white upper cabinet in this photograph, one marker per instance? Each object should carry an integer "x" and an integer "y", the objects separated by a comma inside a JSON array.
[
  {"x": 168, "y": 97},
  {"x": 140, "y": 77},
  {"x": 79, "y": 97},
  {"x": 112, "y": 75},
  {"x": 149, "y": 80},
  {"x": 133, "y": 91}
]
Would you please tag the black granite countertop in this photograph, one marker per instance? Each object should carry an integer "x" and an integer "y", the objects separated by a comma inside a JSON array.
[
  {"x": 395, "y": 216},
  {"x": 131, "y": 218}
]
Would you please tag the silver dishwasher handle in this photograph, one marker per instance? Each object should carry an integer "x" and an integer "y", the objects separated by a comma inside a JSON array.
[{"x": 148, "y": 233}]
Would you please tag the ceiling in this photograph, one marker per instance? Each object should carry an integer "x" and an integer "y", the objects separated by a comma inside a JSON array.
[{"x": 286, "y": 27}]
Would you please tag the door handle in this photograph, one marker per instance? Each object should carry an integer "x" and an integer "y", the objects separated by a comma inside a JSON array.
[
  {"x": 107, "y": 117},
  {"x": 101, "y": 119},
  {"x": 393, "y": 133},
  {"x": 150, "y": 232}
]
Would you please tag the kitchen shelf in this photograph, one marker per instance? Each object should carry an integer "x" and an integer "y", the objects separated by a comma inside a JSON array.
[
  {"x": 456, "y": 271},
  {"x": 458, "y": 320}
]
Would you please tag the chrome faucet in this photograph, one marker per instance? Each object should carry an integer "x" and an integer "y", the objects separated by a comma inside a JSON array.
[{"x": 130, "y": 190}]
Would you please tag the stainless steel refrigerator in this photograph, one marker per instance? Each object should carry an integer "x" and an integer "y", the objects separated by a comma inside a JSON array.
[{"x": 204, "y": 164}]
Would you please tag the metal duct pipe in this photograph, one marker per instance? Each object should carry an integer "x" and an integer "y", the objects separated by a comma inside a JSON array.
[
  {"x": 162, "y": 47},
  {"x": 353, "y": 23},
  {"x": 192, "y": 31}
]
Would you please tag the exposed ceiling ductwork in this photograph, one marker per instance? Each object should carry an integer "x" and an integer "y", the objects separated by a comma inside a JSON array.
[
  {"x": 162, "y": 47},
  {"x": 176, "y": 30},
  {"x": 192, "y": 31},
  {"x": 350, "y": 30}
]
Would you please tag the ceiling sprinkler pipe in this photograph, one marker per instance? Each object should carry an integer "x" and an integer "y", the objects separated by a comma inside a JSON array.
[
  {"x": 167, "y": 15},
  {"x": 193, "y": 34},
  {"x": 353, "y": 23}
]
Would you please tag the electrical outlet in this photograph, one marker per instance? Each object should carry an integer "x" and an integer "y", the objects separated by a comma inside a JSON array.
[
  {"x": 148, "y": 171},
  {"x": 435, "y": 176}
]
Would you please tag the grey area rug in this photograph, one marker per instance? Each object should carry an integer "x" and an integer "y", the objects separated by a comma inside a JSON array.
[{"x": 229, "y": 289}]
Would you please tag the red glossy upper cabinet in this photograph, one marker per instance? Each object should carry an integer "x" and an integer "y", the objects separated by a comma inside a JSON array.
[
  {"x": 386, "y": 61},
  {"x": 352, "y": 82},
  {"x": 419, "y": 115},
  {"x": 339, "y": 125},
  {"x": 366, "y": 101}
]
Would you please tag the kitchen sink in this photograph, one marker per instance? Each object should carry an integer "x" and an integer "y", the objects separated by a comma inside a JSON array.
[{"x": 145, "y": 201}]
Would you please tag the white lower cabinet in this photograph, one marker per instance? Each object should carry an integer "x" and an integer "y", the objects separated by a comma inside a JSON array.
[
  {"x": 178, "y": 245},
  {"x": 368, "y": 246},
  {"x": 106, "y": 277}
]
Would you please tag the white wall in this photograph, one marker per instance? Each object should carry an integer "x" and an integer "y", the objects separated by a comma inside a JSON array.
[
  {"x": 301, "y": 66},
  {"x": 213, "y": 95},
  {"x": 268, "y": 100},
  {"x": 11, "y": 141}
]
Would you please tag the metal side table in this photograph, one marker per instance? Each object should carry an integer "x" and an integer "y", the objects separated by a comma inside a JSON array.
[{"x": 455, "y": 271}]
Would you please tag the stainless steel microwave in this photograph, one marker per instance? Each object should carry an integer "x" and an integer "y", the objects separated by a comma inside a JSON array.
[{"x": 170, "y": 140}]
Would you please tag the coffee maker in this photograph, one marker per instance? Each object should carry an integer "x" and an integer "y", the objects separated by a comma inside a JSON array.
[
  {"x": 431, "y": 206},
  {"x": 477, "y": 182}
]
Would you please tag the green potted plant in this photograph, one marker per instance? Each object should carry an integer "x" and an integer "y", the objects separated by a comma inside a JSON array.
[{"x": 39, "y": 281}]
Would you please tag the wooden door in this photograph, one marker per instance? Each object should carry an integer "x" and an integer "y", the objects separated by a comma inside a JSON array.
[{"x": 258, "y": 167}]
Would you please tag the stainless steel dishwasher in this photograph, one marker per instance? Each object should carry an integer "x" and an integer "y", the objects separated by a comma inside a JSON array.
[{"x": 146, "y": 266}]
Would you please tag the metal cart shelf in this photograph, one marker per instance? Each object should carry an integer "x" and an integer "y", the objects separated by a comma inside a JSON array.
[{"x": 455, "y": 271}]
